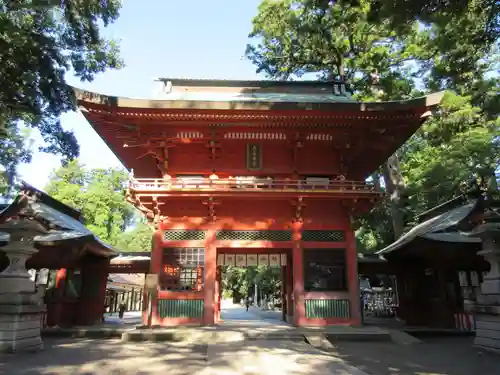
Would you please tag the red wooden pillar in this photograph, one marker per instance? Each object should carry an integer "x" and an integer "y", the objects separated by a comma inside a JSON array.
[
  {"x": 55, "y": 305},
  {"x": 352, "y": 272},
  {"x": 283, "y": 293},
  {"x": 155, "y": 268},
  {"x": 89, "y": 309},
  {"x": 209, "y": 299},
  {"x": 289, "y": 289},
  {"x": 298, "y": 276},
  {"x": 218, "y": 292}
]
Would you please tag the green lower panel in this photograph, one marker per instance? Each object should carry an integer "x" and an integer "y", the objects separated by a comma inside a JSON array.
[
  {"x": 180, "y": 308},
  {"x": 327, "y": 308}
]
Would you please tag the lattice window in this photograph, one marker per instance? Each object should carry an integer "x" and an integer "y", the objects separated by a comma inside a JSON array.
[
  {"x": 323, "y": 235},
  {"x": 254, "y": 235},
  {"x": 256, "y": 136},
  {"x": 325, "y": 270},
  {"x": 183, "y": 235},
  {"x": 324, "y": 308},
  {"x": 171, "y": 308},
  {"x": 188, "y": 257},
  {"x": 183, "y": 269},
  {"x": 319, "y": 137},
  {"x": 189, "y": 135}
]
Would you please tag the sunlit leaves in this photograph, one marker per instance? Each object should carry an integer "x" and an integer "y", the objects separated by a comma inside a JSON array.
[
  {"x": 98, "y": 194},
  {"x": 41, "y": 41}
]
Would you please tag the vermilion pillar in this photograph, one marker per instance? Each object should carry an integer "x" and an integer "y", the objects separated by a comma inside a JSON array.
[
  {"x": 210, "y": 299},
  {"x": 352, "y": 273},
  {"x": 218, "y": 292},
  {"x": 155, "y": 268},
  {"x": 289, "y": 288},
  {"x": 298, "y": 275}
]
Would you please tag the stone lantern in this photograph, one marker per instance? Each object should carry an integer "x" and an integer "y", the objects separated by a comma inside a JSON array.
[
  {"x": 487, "y": 305},
  {"x": 20, "y": 306}
]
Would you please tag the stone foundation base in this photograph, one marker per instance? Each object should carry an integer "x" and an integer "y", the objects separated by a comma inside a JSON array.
[
  {"x": 488, "y": 332},
  {"x": 20, "y": 323}
]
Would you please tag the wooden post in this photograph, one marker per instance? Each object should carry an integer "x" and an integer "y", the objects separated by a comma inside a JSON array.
[
  {"x": 210, "y": 276},
  {"x": 352, "y": 273},
  {"x": 298, "y": 276}
]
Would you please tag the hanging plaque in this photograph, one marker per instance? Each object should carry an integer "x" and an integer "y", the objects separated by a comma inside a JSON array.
[
  {"x": 32, "y": 273},
  {"x": 462, "y": 278},
  {"x": 263, "y": 260},
  {"x": 43, "y": 277},
  {"x": 252, "y": 260},
  {"x": 220, "y": 259},
  {"x": 474, "y": 278},
  {"x": 274, "y": 260},
  {"x": 254, "y": 156},
  {"x": 229, "y": 260},
  {"x": 241, "y": 260},
  {"x": 283, "y": 259}
]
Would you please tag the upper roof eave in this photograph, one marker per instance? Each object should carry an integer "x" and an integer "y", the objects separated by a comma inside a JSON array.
[{"x": 112, "y": 102}]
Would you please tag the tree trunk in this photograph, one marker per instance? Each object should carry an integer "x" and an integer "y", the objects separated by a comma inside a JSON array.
[{"x": 395, "y": 186}]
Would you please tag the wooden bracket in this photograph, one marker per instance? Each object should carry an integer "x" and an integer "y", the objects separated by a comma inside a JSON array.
[
  {"x": 299, "y": 209},
  {"x": 136, "y": 201},
  {"x": 213, "y": 145},
  {"x": 156, "y": 210},
  {"x": 211, "y": 203},
  {"x": 159, "y": 152},
  {"x": 296, "y": 144}
]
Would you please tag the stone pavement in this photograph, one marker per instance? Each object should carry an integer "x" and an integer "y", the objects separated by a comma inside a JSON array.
[
  {"x": 433, "y": 356},
  {"x": 111, "y": 357},
  {"x": 269, "y": 357}
]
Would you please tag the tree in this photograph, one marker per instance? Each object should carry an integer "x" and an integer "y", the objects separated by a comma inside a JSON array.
[
  {"x": 41, "y": 41},
  {"x": 400, "y": 13},
  {"x": 98, "y": 194},
  {"x": 137, "y": 239},
  {"x": 342, "y": 40},
  {"x": 15, "y": 150},
  {"x": 458, "y": 143},
  {"x": 339, "y": 41},
  {"x": 239, "y": 282}
]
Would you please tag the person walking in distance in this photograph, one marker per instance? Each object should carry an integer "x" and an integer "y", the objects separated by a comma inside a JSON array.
[{"x": 247, "y": 302}]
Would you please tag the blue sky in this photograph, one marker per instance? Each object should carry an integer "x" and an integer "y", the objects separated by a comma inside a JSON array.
[{"x": 159, "y": 38}]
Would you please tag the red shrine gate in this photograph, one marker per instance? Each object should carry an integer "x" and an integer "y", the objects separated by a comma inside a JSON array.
[{"x": 243, "y": 167}]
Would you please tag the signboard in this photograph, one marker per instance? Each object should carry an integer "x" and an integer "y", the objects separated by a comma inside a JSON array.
[
  {"x": 220, "y": 260},
  {"x": 43, "y": 277},
  {"x": 254, "y": 156},
  {"x": 474, "y": 278},
  {"x": 462, "y": 278},
  {"x": 152, "y": 281},
  {"x": 229, "y": 260},
  {"x": 283, "y": 260},
  {"x": 241, "y": 260},
  {"x": 274, "y": 260},
  {"x": 263, "y": 259},
  {"x": 32, "y": 273},
  {"x": 252, "y": 260}
]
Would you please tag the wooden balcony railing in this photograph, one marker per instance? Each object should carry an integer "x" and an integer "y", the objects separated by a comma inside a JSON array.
[{"x": 152, "y": 186}]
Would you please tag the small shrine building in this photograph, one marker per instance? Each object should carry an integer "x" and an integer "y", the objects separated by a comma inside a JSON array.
[{"x": 253, "y": 172}]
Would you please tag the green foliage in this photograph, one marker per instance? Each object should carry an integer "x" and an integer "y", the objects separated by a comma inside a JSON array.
[
  {"x": 239, "y": 282},
  {"x": 137, "y": 239},
  {"x": 336, "y": 41},
  {"x": 98, "y": 194},
  {"x": 15, "y": 149},
  {"x": 451, "y": 148},
  {"x": 40, "y": 42},
  {"x": 411, "y": 48}
]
